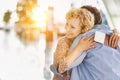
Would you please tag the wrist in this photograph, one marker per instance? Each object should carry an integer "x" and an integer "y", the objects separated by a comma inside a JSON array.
[{"x": 80, "y": 48}]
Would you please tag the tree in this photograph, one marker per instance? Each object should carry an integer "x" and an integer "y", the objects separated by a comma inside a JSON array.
[
  {"x": 24, "y": 26},
  {"x": 24, "y": 11},
  {"x": 7, "y": 16}
]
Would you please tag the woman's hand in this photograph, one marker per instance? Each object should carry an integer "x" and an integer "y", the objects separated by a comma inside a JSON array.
[
  {"x": 84, "y": 44},
  {"x": 87, "y": 43},
  {"x": 62, "y": 66},
  {"x": 113, "y": 40}
]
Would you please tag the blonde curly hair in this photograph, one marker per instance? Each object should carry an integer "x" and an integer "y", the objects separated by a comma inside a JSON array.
[{"x": 86, "y": 18}]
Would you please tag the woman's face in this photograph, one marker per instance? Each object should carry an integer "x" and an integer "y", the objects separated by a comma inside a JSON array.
[{"x": 73, "y": 28}]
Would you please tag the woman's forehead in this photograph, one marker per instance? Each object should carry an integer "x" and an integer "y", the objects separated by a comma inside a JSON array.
[{"x": 73, "y": 20}]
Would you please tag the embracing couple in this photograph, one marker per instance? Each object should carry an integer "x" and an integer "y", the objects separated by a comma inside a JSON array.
[{"x": 78, "y": 56}]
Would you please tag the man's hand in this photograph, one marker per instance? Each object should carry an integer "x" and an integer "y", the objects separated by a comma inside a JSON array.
[{"x": 114, "y": 39}]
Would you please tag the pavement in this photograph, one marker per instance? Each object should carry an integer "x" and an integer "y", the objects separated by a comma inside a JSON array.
[{"x": 19, "y": 62}]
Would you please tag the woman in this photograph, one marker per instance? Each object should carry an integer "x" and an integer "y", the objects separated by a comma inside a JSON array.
[{"x": 74, "y": 23}]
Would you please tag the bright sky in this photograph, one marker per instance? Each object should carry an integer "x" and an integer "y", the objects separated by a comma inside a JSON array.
[
  {"x": 60, "y": 8},
  {"x": 4, "y": 6}
]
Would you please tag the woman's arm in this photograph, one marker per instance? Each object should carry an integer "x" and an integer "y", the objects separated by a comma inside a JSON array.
[
  {"x": 84, "y": 44},
  {"x": 60, "y": 52}
]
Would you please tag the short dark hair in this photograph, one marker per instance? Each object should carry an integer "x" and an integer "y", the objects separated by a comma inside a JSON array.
[{"x": 95, "y": 12}]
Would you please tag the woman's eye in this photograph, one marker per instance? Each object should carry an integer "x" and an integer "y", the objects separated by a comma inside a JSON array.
[{"x": 72, "y": 27}]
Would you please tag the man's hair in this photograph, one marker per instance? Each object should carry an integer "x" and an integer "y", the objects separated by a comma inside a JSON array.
[
  {"x": 95, "y": 12},
  {"x": 85, "y": 17}
]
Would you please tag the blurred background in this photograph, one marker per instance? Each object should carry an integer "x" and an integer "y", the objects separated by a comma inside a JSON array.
[{"x": 30, "y": 29}]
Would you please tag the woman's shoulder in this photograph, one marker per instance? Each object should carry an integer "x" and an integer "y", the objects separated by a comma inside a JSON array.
[{"x": 63, "y": 41}]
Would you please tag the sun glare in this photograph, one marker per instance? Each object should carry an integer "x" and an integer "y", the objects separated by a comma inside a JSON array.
[{"x": 40, "y": 17}]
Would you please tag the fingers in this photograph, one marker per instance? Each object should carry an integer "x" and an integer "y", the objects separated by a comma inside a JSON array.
[
  {"x": 116, "y": 42},
  {"x": 62, "y": 68},
  {"x": 110, "y": 40},
  {"x": 113, "y": 40},
  {"x": 91, "y": 37},
  {"x": 88, "y": 40},
  {"x": 91, "y": 42},
  {"x": 83, "y": 38},
  {"x": 93, "y": 45}
]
